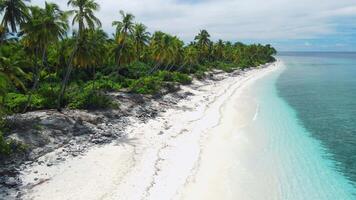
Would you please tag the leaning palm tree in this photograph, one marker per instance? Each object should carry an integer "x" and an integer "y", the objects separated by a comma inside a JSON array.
[
  {"x": 124, "y": 28},
  {"x": 44, "y": 27},
  {"x": 141, "y": 38},
  {"x": 191, "y": 56},
  {"x": 165, "y": 49},
  {"x": 15, "y": 12},
  {"x": 85, "y": 18}
]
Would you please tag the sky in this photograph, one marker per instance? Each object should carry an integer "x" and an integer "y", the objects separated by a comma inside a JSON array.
[{"x": 289, "y": 25}]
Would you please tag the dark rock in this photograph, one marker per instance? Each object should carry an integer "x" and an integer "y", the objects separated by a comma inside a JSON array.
[{"x": 11, "y": 182}]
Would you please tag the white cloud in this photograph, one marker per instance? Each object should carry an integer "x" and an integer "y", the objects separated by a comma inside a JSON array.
[{"x": 232, "y": 19}]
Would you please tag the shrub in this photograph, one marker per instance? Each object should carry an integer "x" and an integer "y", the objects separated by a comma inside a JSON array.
[
  {"x": 182, "y": 78},
  {"x": 104, "y": 83},
  {"x": 16, "y": 102},
  {"x": 146, "y": 85},
  {"x": 199, "y": 74},
  {"x": 49, "y": 93},
  {"x": 90, "y": 99},
  {"x": 5, "y": 147},
  {"x": 135, "y": 70},
  {"x": 227, "y": 67},
  {"x": 174, "y": 77}
]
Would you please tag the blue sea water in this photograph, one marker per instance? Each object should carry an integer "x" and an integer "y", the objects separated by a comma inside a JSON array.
[{"x": 308, "y": 113}]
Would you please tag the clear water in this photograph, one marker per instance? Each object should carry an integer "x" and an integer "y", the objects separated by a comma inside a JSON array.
[
  {"x": 321, "y": 89},
  {"x": 307, "y": 113}
]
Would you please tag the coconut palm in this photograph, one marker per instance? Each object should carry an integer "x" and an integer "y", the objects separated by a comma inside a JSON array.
[
  {"x": 166, "y": 50},
  {"x": 141, "y": 38},
  {"x": 191, "y": 56},
  {"x": 157, "y": 45},
  {"x": 202, "y": 39},
  {"x": 124, "y": 54},
  {"x": 124, "y": 28},
  {"x": 15, "y": 12},
  {"x": 85, "y": 18},
  {"x": 11, "y": 72},
  {"x": 203, "y": 43},
  {"x": 84, "y": 14},
  {"x": 219, "y": 50},
  {"x": 92, "y": 51},
  {"x": 43, "y": 28}
]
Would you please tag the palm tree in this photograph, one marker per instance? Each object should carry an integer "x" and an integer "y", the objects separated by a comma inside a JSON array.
[
  {"x": 124, "y": 28},
  {"x": 94, "y": 50},
  {"x": 11, "y": 72},
  {"x": 203, "y": 39},
  {"x": 166, "y": 50},
  {"x": 191, "y": 57},
  {"x": 124, "y": 54},
  {"x": 15, "y": 13},
  {"x": 203, "y": 43},
  {"x": 157, "y": 48},
  {"x": 141, "y": 38},
  {"x": 44, "y": 27},
  {"x": 85, "y": 18},
  {"x": 219, "y": 50}
]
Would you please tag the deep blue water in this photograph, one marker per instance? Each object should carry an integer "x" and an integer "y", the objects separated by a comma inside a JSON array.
[{"x": 321, "y": 89}]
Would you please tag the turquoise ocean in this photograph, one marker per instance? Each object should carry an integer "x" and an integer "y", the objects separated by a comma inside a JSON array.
[{"x": 307, "y": 112}]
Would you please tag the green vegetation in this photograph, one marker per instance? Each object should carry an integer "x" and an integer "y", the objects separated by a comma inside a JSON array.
[{"x": 42, "y": 66}]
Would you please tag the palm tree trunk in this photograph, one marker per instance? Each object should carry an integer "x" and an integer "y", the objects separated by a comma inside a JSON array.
[
  {"x": 66, "y": 78},
  {"x": 154, "y": 68},
  {"x": 94, "y": 77},
  {"x": 36, "y": 80},
  {"x": 180, "y": 67}
]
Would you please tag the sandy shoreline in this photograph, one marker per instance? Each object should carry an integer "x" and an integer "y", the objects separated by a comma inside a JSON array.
[{"x": 158, "y": 159}]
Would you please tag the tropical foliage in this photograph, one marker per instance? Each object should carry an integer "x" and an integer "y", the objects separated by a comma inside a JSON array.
[{"x": 44, "y": 66}]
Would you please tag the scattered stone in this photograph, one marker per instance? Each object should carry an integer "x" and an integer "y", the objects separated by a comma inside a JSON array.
[{"x": 11, "y": 182}]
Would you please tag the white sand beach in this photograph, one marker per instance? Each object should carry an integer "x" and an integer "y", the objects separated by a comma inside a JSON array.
[{"x": 169, "y": 157}]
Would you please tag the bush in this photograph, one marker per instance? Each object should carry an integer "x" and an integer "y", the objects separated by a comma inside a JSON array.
[
  {"x": 135, "y": 70},
  {"x": 90, "y": 99},
  {"x": 174, "y": 77},
  {"x": 15, "y": 102},
  {"x": 146, "y": 85},
  {"x": 182, "y": 78},
  {"x": 199, "y": 74},
  {"x": 104, "y": 83},
  {"x": 49, "y": 93},
  {"x": 227, "y": 67},
  {"x": 5, "y": 147}
]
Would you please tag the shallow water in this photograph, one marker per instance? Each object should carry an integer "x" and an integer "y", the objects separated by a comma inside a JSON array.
[
  {"x": 321, "y": 89},
  {"x": 302, "y": 163}
]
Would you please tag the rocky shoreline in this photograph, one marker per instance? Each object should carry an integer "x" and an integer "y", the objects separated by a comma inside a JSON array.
[{"x": 53, "y": 137}]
